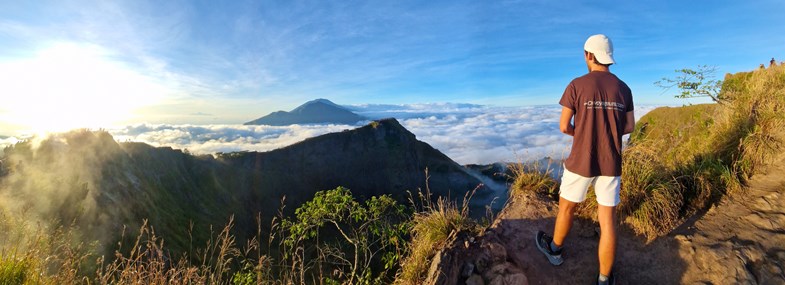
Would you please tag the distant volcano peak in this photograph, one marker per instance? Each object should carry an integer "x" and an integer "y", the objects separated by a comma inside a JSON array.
[
  {"x": 321, "y": 101},
  {"x": 319, "y": 111}
]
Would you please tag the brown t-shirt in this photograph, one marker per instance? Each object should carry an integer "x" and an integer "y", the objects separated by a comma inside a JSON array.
[{"x": 600, "y": 101}]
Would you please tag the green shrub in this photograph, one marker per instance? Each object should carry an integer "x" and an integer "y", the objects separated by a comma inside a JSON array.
[{"x": 368, "y": 238}]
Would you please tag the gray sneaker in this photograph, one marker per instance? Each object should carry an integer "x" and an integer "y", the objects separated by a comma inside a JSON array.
[{"x": 543, "y": 242}]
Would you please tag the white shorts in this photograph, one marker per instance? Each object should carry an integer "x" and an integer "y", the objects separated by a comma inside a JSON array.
[{"x": 574, "y": 188}]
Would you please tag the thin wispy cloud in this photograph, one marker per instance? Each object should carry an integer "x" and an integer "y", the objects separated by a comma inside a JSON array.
[{"x": 240, "y": 60}]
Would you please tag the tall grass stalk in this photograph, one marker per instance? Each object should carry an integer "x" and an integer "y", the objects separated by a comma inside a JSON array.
[
  {"x": 435, "y": 225},
  {"x": 531, "y": 178}
]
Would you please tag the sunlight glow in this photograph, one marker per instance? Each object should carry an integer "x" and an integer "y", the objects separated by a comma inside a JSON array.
[{"x": 67, "y": 86}]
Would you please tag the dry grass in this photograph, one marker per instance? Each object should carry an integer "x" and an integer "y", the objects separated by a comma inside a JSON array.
[
  {"x": 688, "y": 158},
  {"x": 527, "y": 178},
  {"x": 751, "y": 130},
  {"x": 435, "y": 225},
  {"x": 33, "y": 254},
  {"x": 150, "y": 263}
]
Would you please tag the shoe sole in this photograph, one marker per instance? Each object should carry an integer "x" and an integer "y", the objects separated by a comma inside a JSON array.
[{"x": 552, "y": 259}]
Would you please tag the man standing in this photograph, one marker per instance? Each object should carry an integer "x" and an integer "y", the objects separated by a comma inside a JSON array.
[{"x": 602, "y": 108}]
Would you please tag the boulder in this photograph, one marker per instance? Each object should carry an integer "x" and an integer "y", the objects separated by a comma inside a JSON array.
[
  {"x": 475, "y": 280},
  {"x": 496, "y": 251},
  {"x": 516, "y": 279},
  {"x": 500, "y": 269}
]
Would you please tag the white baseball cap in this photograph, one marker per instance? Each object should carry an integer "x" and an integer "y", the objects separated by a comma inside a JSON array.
[{"x": 602, "y": 48}]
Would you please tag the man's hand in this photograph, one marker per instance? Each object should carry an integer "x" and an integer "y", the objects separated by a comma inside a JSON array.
[
  {"x": 629, "y": 124},
  {"x": 565, "y": 124}
]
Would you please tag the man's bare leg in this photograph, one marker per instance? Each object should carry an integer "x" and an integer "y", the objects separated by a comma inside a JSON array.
[
  {"x": 607, "y": 248},
  {"x": 563, "y": 220}
]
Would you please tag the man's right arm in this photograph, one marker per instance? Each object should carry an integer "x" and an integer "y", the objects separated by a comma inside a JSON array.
[{"x": 565, "y": 124}]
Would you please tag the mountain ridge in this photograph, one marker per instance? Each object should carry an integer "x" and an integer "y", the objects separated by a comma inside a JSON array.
[
  {"x": 384, "y": 144},
  {"x": 89, "y": 177}
]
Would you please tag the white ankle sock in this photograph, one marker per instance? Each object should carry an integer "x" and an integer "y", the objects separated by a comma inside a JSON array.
[{"x": 602, "y": 278}]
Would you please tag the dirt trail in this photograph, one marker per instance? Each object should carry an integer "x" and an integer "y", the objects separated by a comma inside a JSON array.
[{"x": 739, "y": 241}]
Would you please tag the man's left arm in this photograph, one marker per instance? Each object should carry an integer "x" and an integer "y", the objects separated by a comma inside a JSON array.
[{"x": 629, "y": 124}]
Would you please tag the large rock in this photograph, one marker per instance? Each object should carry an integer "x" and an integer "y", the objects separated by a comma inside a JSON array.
[
  {"x": 510, "y": 279},
  {"x": 500, "y": 269},
  {"x": 445, "y": 268}
]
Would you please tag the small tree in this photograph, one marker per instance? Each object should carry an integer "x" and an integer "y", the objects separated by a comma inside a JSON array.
[
  {"x": 694, "y": 83},
  {"x": 364, "y": 237}
]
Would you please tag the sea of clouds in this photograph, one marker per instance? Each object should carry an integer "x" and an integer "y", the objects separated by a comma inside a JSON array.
[{"x": 467, "y": 133}]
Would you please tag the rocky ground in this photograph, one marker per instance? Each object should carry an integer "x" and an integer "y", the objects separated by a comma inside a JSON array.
[{"x": 741, "y": 240}]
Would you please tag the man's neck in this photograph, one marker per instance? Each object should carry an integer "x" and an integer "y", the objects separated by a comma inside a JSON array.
[{"x": 601, "y": 68}]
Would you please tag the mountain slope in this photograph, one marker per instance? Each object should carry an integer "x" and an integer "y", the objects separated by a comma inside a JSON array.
[
  {"x": 319, "y": 111},
  {"x": 88, "y": 177},
  {"x": 380, "y": 158}
]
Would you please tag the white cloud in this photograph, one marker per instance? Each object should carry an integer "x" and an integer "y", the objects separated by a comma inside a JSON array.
[
  {"x": 492, "y": 134},
  {"x": 483, "y": 134},
  {"x": 467, "y": 133},
  {"x": 203, "y": 139}
]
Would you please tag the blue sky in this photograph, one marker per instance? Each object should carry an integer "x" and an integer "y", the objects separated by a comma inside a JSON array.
[{"x": 232, "y": 61}]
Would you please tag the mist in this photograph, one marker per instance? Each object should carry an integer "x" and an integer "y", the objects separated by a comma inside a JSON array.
[{"x": 56, "y": 182}]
